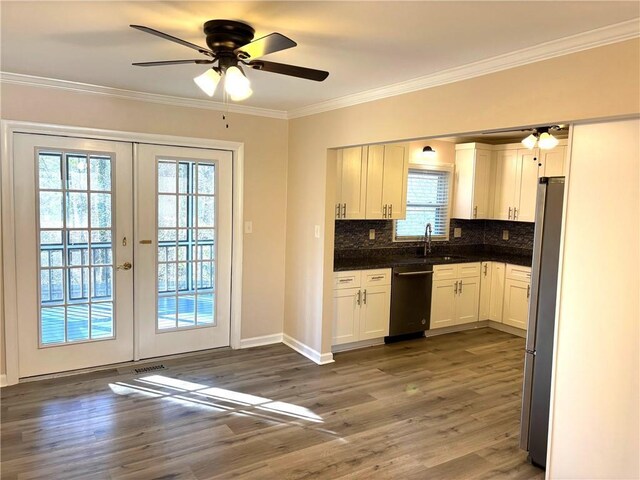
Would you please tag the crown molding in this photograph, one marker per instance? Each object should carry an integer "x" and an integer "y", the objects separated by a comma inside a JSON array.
[
  {"x": 575, "y": 43},
  {"x": 34, "y": 81}
]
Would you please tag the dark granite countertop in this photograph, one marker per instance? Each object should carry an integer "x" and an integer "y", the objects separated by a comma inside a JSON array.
[{"x": 389, "y": 258}]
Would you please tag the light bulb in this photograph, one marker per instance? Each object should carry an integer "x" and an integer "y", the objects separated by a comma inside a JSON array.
[
  {"x": 208, "y": 81},
  {"x": 428, "y": 152},
  {"x": 530, "y": 141},
  {"x": 236, "y": 84},
  {"x": 547, "y": 141}
]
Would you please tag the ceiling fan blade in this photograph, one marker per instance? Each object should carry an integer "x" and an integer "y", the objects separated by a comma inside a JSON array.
[
  {"x": 291, "y": 70},
  {"x": 171, "y": 38},
  {"x": 274, "y": 42},
  {"x": 171, "y": 62}
]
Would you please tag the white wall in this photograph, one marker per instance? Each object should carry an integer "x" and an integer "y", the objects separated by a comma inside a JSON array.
[{"x": 595, "y": 427}]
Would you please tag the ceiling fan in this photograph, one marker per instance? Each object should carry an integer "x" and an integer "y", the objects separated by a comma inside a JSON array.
[
  {"x": 231, "y": 46},
  {"x": 540, "y": 136}
]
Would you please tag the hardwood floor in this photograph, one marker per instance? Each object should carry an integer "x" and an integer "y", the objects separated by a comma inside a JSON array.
[{"x": 446, "y": 407}]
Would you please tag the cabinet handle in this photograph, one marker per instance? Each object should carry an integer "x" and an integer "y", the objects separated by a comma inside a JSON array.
[
  {"x": 509, "y": 218},
  {"x": 337, "y": 210},
  {"x": 528, "y": 290},
  {"x": 485, "y": 269},
  {"x": 515, "y": 213},
  {"x": 358, "y": 297},
  {"x": 460, "y": 287},
  {"x": 344, "y": 210},
  {"x": 364, "y": 297},
  {"x": 475, "y": 212},
  {"x": 377, "y": 277},
  {"x": 384, "y": 211},
  {"x": 344, "y": 280},
  {"x": 391, "y": 210},
  {"x": 455, "y": 292}
]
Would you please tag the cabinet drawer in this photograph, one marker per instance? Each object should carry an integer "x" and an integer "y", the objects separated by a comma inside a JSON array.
[
  {"x": 517, "y": 272},
  {"x": 466, "y": 270},
  {"x": 350, "y": 279},
  {"x": 445, "y": 272},
  {"x": 371, "y": 278}
]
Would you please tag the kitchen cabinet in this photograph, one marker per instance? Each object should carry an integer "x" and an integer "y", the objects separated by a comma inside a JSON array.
[
  {"x": 485, "y": 290},
  {"x": 472, "y": 179},
  {"x": 497, "y": 291},
  {"x": 387, "y": 171},
  {"x": 517, "y": 292},
  {"x": 455, "y": 294},
  {"x": 371, "y": 182},
  {"x": 361, "y": 305},
  {"x": 351, "y": 183},
  {"x": 552, "y": 162}
]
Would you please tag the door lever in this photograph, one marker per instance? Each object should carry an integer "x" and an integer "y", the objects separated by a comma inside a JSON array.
[{"x": 124, "y": 266}]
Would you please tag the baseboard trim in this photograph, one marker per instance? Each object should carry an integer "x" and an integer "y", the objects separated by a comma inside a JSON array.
[
  {"x": 355, "y": 345},
  {"x": 307, "y": 351},
  {"x": 260, "y": 341},
  {"x": 456, "y": 328},
  {"x": 507, "y": 328},
  {"x": 3, "y": 380}
]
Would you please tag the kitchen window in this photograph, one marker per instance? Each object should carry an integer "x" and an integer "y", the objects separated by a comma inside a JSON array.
[{"x": 428, "y": 196}]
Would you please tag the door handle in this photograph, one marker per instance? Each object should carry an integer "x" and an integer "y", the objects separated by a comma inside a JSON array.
[
  {"x": 124, "y": 266},
  {"x": 384, "y": 211},
  {"x": 364, "y": 297},
  {"x": 515, "y": 213},
  {"x": 391, "y": 210},
  {"x": 337, "y": 210},
  {"x": 528, "y": 291},
  {"x": 344, "y": 210},
  {"x": 485, "y": 269},
  {"x": 460, "y": 292},
  {"x": 455, "y": 292},
  {"x": 509, "y": 217}
]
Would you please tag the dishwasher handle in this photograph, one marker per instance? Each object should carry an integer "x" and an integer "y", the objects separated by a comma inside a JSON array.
[{"x": 412, "y": 274}]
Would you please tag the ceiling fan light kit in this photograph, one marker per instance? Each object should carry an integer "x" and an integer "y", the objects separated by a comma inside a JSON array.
[
  {"x": 542, "y": 138},
  {"x": 231, "y": 45}
]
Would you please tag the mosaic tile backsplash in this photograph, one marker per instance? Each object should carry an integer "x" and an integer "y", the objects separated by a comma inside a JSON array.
[{"x": 354, "y": 234}]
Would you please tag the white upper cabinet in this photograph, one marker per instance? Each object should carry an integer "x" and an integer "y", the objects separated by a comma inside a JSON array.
[
  {"x": 506, "y": 181},
  {"x": 351, "y": 188},
  {"x": 387, "y": 168},
  {"x": 528, "y": 163},
  {"x": 471, "y": 187},
  {"x": 552, "y": 162},
  {"x": 371, "y": 182}
]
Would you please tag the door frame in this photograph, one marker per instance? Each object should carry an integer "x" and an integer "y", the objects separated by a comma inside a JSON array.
[{"x": 8, "y": 294}]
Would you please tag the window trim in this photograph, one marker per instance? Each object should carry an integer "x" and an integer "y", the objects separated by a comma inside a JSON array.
[{"x": 438, "y": 167}]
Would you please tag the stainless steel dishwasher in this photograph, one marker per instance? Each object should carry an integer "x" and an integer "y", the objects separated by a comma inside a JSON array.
[{"x": 410, "y": 300}]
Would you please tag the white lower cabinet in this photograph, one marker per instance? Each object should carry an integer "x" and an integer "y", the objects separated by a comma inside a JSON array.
[
  {"x": 455, "y": 294},
  {"x": 485, "y": 290},
  {"x": 517, "y": 292},
  {"x": 361, "y": 305},
  {"x": 497, "y": 291}
]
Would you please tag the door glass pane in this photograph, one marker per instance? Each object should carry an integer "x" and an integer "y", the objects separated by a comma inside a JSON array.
[
  {"x": 186, "y": 244},
  {"x": 76, "y": 250}
]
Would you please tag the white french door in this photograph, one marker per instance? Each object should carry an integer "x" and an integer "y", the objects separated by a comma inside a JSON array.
[
  {"x": 119, "y": 256},
  {"x": 183, "y": 249},
  {"x": 74, "y": 226}
]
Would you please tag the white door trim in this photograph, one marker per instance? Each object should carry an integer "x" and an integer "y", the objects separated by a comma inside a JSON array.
[{"x": 7, "y": 258}]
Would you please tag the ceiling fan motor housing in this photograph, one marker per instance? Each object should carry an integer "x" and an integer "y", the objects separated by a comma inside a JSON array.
[{"x": 224, "y": 36}]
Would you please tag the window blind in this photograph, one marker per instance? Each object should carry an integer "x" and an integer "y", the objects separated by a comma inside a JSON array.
[{"x": 427, "y": 202}]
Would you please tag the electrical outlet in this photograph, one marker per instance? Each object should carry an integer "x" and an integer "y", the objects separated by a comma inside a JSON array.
[
  {"x": 317, "y": 231},
  {"x": 372, "y": 234},
  {"x": 248, "y": 227},
  {"x": 505, "y": 234},
  {"x": 457, "y": 232}
]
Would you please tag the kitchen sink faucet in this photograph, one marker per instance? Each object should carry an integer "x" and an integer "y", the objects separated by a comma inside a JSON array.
[{"x": 427, "y": 239}]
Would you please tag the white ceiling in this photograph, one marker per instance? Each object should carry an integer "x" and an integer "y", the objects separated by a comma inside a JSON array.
[{"x": 364, "y": 45}]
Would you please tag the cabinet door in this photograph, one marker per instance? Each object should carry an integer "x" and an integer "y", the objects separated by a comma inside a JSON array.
[
  {"x": 505, "y": 184},
  {"x": 443, "y": 304},
  {"x": 351, "y": 182},
  {"x": 497, "y": 291},
  {"x": 374, "y": 315},
  {"x": 346, "y": 315},
  {"x": 552, "y": 162},
  {"x": 516, "y": 303},
  {"x": 468, "y": 300},
  {"x": 375, "y": 182},
  {"x": 463, "y": 185},
  {"x": 485, "y": 291},
  {"x": 481, "y": 184},
  {"x": 394, "y": 188},
  {"x": 528, "y": 185}
]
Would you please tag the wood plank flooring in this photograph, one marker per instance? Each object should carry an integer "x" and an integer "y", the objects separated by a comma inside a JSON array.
[{"x": 447, "y": 407}]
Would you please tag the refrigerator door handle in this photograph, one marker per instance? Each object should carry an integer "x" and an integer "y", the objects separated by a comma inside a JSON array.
[
  {"x": 535, "y": 266},
  {"x": 527, "y": 390}
]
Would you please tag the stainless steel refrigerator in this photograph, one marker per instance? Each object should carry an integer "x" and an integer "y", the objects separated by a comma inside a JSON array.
[{"x": 542, "y": 313}]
